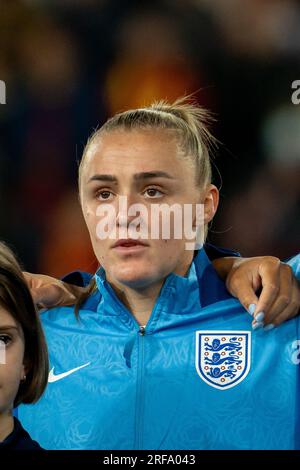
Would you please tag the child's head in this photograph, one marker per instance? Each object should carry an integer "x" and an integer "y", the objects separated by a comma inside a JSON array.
[{"x": 24, "y": 370}]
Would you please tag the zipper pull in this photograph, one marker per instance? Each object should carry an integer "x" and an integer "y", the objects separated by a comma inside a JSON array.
[{"x": 142, "y": 330}]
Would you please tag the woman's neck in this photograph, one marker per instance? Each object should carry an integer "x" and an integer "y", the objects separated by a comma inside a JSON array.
[
  {"x": 6, "y": 425},
  {"x": 139, "y": 302}
]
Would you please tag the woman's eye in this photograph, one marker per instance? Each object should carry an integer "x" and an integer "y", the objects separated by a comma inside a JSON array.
[
  {"x": 103, "y": 195},
  {"x": 153, "y": 192},
  {"x": 5, "y": 339}
]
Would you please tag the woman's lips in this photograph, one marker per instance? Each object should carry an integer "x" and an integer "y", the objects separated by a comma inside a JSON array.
[{"x": 129, "y": 246}]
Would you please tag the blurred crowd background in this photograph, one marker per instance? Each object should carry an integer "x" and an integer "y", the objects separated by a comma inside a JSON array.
[{"x": 70, "y": 64}]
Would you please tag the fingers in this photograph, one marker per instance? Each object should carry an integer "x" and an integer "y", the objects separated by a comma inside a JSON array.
[
  {"x": 283, "y": 298},
  {"x": 279, "y": 299},
  {"x": 287, "y": 301},
  {"x": 290, "y": 309},
  {"x": 241, "y": 287},
  {"x": 271, "y": 277}
]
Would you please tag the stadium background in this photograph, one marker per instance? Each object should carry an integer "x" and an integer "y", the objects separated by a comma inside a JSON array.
[{"x": 68, "y": 65}]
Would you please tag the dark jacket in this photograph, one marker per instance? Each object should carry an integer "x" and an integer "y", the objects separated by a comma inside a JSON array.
[{"x": 19, "y": 439}]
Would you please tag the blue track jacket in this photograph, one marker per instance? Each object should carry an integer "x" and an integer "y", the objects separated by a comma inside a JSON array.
[{"x": 197, "y": 377}]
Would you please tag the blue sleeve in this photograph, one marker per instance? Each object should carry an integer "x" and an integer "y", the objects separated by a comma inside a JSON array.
[{"x": 294, "y": 262}]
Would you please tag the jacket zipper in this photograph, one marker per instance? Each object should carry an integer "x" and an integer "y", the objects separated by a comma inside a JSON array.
[
  {"x": 140, "y": 396},
  {"x": 139, "y": 390}
]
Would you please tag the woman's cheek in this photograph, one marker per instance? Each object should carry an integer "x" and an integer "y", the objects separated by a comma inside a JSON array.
[
  {"x": 88, "y": 210},
  {"x": 89, "y": 217}
]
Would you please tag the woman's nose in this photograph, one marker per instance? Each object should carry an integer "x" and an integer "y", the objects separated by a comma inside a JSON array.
[
  {"x": 123, "y": 217},
  {"x": 132, "y": 216}
]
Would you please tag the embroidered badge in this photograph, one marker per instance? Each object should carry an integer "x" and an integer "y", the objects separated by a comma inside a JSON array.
[{"x": 223, "y": 357}]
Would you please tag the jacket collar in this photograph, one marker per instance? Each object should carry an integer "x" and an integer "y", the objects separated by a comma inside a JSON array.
[{"x": 179, "y": 294}]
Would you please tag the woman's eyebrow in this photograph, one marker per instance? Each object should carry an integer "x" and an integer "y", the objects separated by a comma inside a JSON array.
[
  {"x": 152, "y": 174},
  {"x": 111, "y": 178},
  {"x": 137, "y": 176}
]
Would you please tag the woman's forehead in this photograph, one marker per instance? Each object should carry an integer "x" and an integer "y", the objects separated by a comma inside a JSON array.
[{"x": 134, "y": 151}]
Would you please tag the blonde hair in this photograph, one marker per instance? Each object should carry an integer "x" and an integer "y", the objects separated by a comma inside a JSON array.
[{"x": 187, "y": 119}]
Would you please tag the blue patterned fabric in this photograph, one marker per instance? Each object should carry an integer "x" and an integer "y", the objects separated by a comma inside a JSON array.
[{"x": 198, "y": 378}]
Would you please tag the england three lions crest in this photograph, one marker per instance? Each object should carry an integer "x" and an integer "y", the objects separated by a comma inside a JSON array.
[{"x": 223, "y": 357}]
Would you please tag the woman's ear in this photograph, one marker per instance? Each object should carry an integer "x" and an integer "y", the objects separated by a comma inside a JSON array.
[{"x": 210, "y": 201}]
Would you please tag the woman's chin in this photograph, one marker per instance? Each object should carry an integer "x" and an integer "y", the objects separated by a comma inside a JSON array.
[{"x": 133, "y": 277}]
